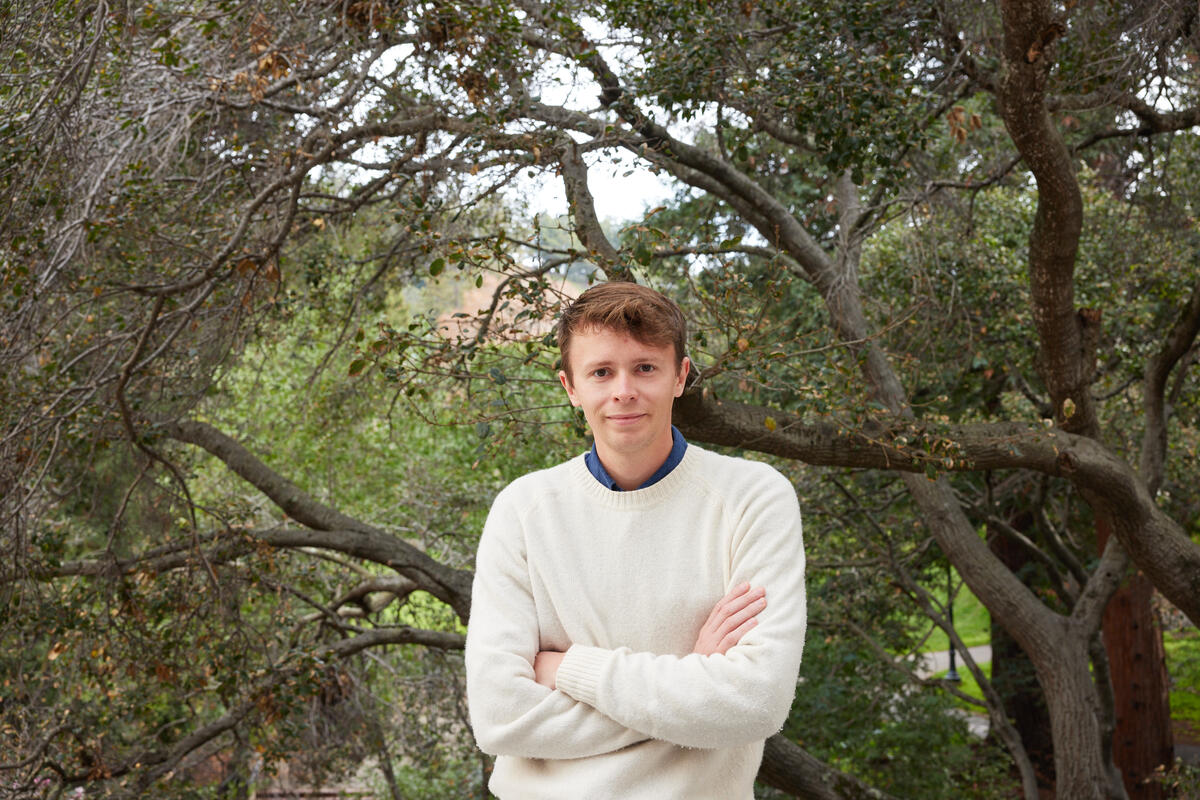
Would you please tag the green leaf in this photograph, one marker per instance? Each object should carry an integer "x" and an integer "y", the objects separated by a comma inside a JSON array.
[
  {"x": 437, "y": 266},
  {"x": 642, "y": 254},
  {"x": 357, "y": 366}
]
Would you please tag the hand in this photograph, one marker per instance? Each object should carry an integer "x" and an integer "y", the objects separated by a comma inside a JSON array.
[
  {"x": 545, "y": 667},
  {"x": 732, "y": 616}
]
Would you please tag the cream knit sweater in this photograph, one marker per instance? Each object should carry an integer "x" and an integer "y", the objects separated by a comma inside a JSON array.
[{"x": 622, "y": 581}]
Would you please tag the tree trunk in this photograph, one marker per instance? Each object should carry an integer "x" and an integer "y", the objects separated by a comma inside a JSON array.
[
  {"x": 1079, "y": 764},
  {"x": 1143, "y": 738},
  {"x": 1013, "y": 675},
  {"x": 1057, "y": 646}
]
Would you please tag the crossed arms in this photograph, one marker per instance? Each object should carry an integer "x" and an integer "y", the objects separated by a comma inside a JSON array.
[
  {"x": 732, "y": 616},
  {"x": 733, "y": 688}
]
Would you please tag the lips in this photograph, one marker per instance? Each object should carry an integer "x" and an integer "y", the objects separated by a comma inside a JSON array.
[{"x": 625, "y": 419}]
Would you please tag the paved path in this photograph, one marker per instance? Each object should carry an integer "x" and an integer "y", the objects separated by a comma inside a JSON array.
[
  {"x": 939, "y": 661},
  {"x": 933, "y": 663}
]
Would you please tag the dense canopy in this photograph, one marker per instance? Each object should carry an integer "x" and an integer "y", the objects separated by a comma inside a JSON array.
[{"x": 275, "y": 313}]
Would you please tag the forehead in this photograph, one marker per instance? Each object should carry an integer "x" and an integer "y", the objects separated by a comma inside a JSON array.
[{"x": 606, "y": 344}]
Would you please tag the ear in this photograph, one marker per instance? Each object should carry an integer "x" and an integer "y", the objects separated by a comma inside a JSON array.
[
  {"x": 565, "y": 380},
  {"x": 681, "y": 376}
]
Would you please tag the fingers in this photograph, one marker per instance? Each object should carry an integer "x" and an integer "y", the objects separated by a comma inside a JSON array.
[
  {"x": 732, "y": 604},
  {"x": 735, "y": 635},
  {"x": 735, "y": 599},
  {"x": 737, "y": 591},
  {"x": 730, "y": 619},
  {"x": 721, "y": 609},
  {"x": 742, "y": 612}
]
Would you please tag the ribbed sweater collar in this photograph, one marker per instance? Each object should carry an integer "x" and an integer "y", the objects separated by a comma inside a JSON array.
[{"x": 686, "y": 474}]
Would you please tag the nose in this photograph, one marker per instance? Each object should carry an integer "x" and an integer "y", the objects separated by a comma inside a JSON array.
[{"x": 623, "y": 388}]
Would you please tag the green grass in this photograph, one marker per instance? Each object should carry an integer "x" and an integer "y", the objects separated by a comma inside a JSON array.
[
  {"x": 973, "y": 624},
  {"x": 1183, "y": 664},
  {"x": 968, "y": 685},
  {"x": 971, "y": 620}
]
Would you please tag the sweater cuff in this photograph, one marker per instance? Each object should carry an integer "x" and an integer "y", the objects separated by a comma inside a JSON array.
[{"x": 579, "y": 672}]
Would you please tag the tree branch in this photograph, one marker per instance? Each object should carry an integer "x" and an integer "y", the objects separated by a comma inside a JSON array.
[
  {"x": 583, "y": 210},
  {"x": 789, "y": 768},
  {"x": 1105, "y": 580},
  {"x": 327, "y": 526},
  {"x": 1156, "y": 543},
  {"x": 163, "y": 761},
  {"x": 1158, "y": 369},
  {"x": 1054, "y": 241}
]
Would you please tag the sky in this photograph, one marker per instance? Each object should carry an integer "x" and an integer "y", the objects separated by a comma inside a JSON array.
[{"x": 619, "y": 197}]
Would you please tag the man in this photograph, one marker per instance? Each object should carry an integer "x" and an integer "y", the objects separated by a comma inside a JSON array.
[{"x": 616, "y": 647}]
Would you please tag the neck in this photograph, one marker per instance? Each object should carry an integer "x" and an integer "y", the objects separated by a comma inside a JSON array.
[{"x": 631, "y": 470}]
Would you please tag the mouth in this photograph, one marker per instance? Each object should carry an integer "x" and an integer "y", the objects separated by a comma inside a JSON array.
[{"x": 625, "y": 419}]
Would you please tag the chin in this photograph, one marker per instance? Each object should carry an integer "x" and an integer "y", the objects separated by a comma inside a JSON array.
[{"x": 628, "y": 441}]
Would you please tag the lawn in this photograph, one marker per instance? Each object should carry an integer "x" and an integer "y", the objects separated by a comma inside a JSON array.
[
  {"x": 1183, "y": 665},
  {"x": 1182, "y": 647},
  {"x": 971, "y": 620}
]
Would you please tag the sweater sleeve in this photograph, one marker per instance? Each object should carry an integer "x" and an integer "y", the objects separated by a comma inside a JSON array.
[
  {"x": 718, "y": 700},
  {"x": 511, "y": 714}
]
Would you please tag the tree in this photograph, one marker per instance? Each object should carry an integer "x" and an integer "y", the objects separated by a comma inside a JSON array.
[{"x": 186, "y": 152}]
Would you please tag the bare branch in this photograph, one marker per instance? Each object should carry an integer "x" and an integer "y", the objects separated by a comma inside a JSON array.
[
  {"x": 1177, "y": 343},
  {"x": 788, "y": 767},
  {"x": 1105, "y": 580},
  {"x": 163, "y": 761},
  {"x": 329, "y": 527},
  {"x": 583, "y": 209},
  {"x": 1039, "y": 555}
]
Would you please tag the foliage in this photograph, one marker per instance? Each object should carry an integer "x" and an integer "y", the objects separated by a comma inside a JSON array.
[
  {"x": 860, "y": 714},
  {"x": 969, "y": 686},
  {"x": 944, "y": 253}
]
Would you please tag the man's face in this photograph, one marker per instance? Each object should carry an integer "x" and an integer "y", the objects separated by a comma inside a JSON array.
[{"x": 625, "y": 389}]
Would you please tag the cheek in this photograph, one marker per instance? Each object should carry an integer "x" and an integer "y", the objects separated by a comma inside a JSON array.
[{"x": 579, "y": 398}]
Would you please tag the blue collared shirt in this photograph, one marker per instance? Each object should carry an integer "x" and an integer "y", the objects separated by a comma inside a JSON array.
[{"x": 678, "y": 446}]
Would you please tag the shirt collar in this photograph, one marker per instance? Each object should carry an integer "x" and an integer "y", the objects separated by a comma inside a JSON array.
[{"x": 678, "y": 446}]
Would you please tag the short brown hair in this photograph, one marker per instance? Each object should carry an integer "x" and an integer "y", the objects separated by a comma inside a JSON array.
[{"x": 643, "y": 313}]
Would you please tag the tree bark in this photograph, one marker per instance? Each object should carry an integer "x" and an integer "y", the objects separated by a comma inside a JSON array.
[
  {"x": 1143, "y": 739},
  {"x": 1067, "y": 339},
  {"x": 787, "y": 767},
  {"x": 1080, "y": 769},
  {"x": 1014, "y": 677}
]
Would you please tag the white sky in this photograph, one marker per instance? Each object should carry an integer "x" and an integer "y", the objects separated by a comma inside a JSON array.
[{"x": 618, "y": 197}]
